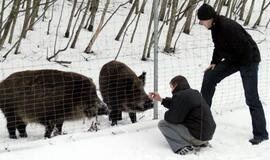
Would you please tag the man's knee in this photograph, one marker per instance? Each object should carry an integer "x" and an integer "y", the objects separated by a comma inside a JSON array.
[
  {"x": 162, "y": 124},
  {"x": 210, "y": 77},
  {"x": 254, "y": 103}
]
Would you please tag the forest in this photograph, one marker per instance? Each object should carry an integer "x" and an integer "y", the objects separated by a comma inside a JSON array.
[{"x": 172, "y": 15}]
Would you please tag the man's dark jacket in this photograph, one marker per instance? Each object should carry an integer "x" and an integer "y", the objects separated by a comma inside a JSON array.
[
  {"x": 187, "y": 107},
  {"x": 232, "y": 43}
]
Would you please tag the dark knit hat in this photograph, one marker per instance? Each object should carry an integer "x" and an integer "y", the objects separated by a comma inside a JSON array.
[{"x": 206, "y": 12}]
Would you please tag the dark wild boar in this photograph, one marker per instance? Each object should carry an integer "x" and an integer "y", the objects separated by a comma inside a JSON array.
[
  {"x": 48, "y": 97},
  {"x": 122, "y": 90}
]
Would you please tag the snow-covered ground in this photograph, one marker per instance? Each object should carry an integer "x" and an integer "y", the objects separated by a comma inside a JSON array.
[{"x": 142, "y": 140}]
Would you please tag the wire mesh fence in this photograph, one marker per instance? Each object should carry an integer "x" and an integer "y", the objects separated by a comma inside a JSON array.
[{"x": 48, "y": 88}]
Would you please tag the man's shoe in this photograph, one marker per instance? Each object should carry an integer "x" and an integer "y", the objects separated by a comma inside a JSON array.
[
  {"x": 202, "y": 145},
  {"x": 185, "y": 150},
  {"x": 255, "y": 141}
]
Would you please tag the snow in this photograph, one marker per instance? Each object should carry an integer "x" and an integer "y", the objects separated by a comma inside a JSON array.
[{"x": 141, "y": 140}]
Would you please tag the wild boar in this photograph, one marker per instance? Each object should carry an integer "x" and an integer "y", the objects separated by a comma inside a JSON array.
[
  {"x": 122, "y": 90},
  {"x": 48, "y": 97}
]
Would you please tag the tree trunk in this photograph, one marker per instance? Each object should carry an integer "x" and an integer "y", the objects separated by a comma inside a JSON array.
[
  {"x": 229, "y": 7},
  {"x": 242, "y": 11},
  {"x": 34, "y": 14},
  {"x": 126, "y": 21},
  {"x": 249, "y": 13},
  {"x": 1, "y": 17},
  {"x": 163, "y": 10},
  {"x": 94, "y": 9},
  {"x": 45, "y": 9},
  {"x": 94, "y": 37},
  {"x": 216, "y": 4},
  {"x": 80, "y": 26},
  {"x": 49, "y": 23},
  {"x": 25, "y": 25},
  {"x": 148, "y": 33},
  {"x": 70, "y": 19},
  {"x": 263, "y": 8},
  {"x": 189, "y": 16},
  {"x": 14, "y": 21},
  {"x": 8, "y": 23},
  {"x": 168, "y": 47},
  {"x": 143, "y": 7},
  {"x": 137, "y": 22},
  {"x": 232, "y": 8},
  {"x": 220, "y": 5}
]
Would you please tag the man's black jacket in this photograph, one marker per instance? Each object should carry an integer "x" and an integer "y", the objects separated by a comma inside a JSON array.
[
  {"x": 232, "y": 43},
  {"x": 187, "y": 107}
]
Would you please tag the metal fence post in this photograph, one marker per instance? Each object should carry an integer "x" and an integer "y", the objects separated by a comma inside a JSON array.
[{"x": 155, "y": 5}]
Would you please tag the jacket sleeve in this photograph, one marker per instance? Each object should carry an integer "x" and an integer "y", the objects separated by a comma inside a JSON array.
[
  {"x": 216, "y": 58},
  {"x": 178, "y": 110},
  {"x": 166, "y": 102}
]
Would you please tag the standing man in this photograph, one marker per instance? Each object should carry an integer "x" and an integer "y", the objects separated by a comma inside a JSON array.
[
  {"x": 234, "y": 50},
  {"x": 188, "y": 122}
]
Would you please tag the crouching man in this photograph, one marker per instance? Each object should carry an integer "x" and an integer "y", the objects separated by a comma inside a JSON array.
[{"x": 188, "y": 122}]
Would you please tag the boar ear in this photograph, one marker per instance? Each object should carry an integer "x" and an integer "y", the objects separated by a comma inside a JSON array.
[{"x": 142, "y": 77}]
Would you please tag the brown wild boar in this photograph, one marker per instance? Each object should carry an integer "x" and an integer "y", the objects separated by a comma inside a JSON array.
[
  {"x": 122, "y": 90},
  {"x": 48, "y": 97}
]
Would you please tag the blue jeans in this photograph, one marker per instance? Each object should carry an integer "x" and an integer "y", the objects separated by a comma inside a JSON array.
[{"x": 249, "y": 75}]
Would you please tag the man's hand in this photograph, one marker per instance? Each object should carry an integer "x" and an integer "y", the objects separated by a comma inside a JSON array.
[
  {"x": 210, "y": 67},
  {"x": 154, "y": 96}
]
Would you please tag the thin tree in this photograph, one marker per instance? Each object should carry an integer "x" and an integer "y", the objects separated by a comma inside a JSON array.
[
  {"x": 220, "y": 5},
  {"x": 216, "y": 4},
  {"x": 81, "y": 25},
  {"x": 168, "y": 47},
  {"x": 35, "y": 13},
  {"x": 25, "y": 25},
  {"x": 8, "y": 23},
  {"x": 58, "y": 26},
  {"x": 26, "y": 18},
  {"x": 71, "y": 37},
  {"x": 98, "y": 30},
  {"x": 229, "y": 7},
  {"x": 143, "y": 7},
  {"x": 18, "y": 41},
  {"x": 45, "y": 9},
  {"x": 93, "y": 15},
  {"x": 232, "y": 8},
  {"x": 94, "y": 8},
  {"x": 126, "y": 20},
  {"x": 148, "y": 34},
  {"x": 263, "y": 8},
  {"x": 78, "y": 9},
  {"x": 1, "y": 16},
  {"x": 190, "y": 10},
  {"x": 249, "y": 13},
  {"x": 50, "y": 21},
  {"x": 137, "y": 21},
  {"x": 71, "y": 18},
  {"x": 16, "y": 12},
  {"x": 163, "y": 9},
  {"x": 242, "y": 10}
]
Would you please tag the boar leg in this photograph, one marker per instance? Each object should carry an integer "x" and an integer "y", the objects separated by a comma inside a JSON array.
[
  {"x": 11, "y": 123},
  {"x": 58, "y": 126},
  {"x": 132, "y": 117},
  {"x": 21, "y": 126},
  {"x": 49, "y": 128},
  {"x": 112, "y": 117}
]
